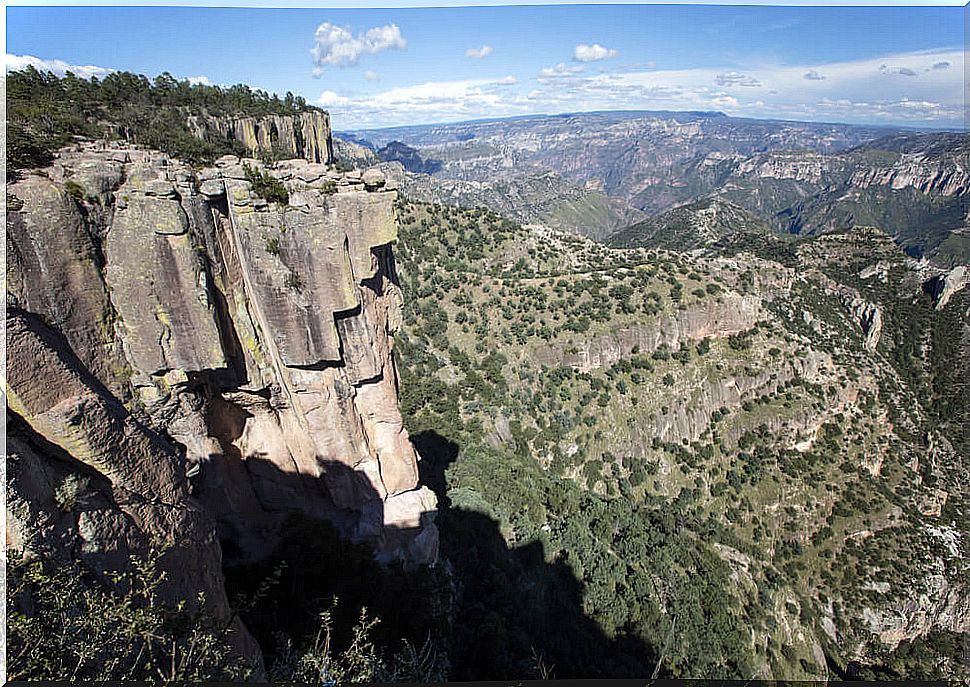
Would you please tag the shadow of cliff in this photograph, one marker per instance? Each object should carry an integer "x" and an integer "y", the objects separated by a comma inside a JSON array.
[
  {"x": 518, "y": 611},
  {"x": 314, "y": 567},
  {"x": 498, "y": 612}
]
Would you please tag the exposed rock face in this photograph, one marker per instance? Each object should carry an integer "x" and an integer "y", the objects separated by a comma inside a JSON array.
[
  {"x": 732, "y": 315},
  {"x": 354, "y": 154},
  {"x": 926, "y": 173},
  {"x": 935, "y": 603},
  {"x": 137, "y": 497},
  {"x": 945, "y": 285},
  {"x": 252, "y": 345},
  {"x": 867, "y": 315},
  {"x": 306, "y": 135},
  {"x": 53, "y": 269}
]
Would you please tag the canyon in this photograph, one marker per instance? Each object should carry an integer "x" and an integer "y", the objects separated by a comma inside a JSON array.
[{"x": 614, "y": 392}]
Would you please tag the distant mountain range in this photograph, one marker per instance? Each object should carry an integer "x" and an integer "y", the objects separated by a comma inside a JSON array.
[{"x": 611, "y": 169}]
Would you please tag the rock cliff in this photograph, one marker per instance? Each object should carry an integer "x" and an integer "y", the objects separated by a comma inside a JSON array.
[
  {"x": 205, "y": 362},
  {"x": 306, "y": 135}
]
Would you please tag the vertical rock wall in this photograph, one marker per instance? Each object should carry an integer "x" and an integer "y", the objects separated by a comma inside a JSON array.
[
  {"x": 211, "y": 361},
  {"x": 304, "y": 136}
]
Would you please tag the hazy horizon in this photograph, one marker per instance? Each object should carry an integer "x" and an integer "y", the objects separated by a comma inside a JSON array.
[{"x": 337, "y": 129}]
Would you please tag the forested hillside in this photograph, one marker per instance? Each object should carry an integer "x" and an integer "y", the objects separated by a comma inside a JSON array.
[
  {"x": 718, "y": 461},
  {"x": 45, "y": 112}
]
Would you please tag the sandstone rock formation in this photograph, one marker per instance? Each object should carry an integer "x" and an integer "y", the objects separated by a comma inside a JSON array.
[
  {"x": 731, "y": 315},
  {"x": 212, "y": 362},
  {"x": 133, "y": 494}
]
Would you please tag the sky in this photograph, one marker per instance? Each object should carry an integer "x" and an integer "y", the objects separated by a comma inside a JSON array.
[{"x": 388, "y": 67}]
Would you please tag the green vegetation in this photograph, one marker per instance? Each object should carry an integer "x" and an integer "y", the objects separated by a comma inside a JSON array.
[
  {"x": 567, "y": 471},
  {"x": 352, "y": 622},
  {"x": 45, "y": 112},
  {"x": 68, "y": 491},
  {"x": 71, "y": 623},
  {"x": 65, "y": 623},
  {"x": 293, "y": 282},
  {"x": 74, "y": 189},
  {"x": 266, "y": 186}
]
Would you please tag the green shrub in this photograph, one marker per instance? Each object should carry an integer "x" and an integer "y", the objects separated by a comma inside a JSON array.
[
  {"x": 266, "y": 186},
  {"x": 65, "y": 624},
  {"x": 74, "y": 189},
  {"x": 360, "y": 662},
  {"x": 67, "y": 492},
  {"x": 293, "y": 282}
]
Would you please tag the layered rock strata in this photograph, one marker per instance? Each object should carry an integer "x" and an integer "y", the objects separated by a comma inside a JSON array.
[{"x": 731, "y": 314}]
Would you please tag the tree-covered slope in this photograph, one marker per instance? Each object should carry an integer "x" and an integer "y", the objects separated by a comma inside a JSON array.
[
  {"x": 722, "y": 462},
  {"x": 45, "y": 112}
]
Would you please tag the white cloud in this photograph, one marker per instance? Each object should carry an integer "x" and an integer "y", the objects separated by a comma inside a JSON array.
[
  {"x": 371, "y": 75},
  {"x": 479, "y": 53},
  {"x": 852, "y": 91},
  {"x": 848, "y": 92},
  {"x": 337, "y": 46},
  {"x": 725, "y": 101},
  {"x": 427, "y": 102},
  {"x": 58, "y": 67},
  {"x": 199, "y": 80},
  {"x": 560, "y": 70},
  {"x": 592, "y": 53},
  {"x": 331, "y": 99},
  {"x": 902, "y": 71},
  {"x": 736, "y": 79}
]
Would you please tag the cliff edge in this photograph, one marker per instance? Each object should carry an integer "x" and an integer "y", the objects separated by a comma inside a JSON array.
[{"x": 198, "y": 362}]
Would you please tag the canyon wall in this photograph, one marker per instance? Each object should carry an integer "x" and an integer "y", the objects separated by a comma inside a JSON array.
[
  {"x": 190, "y": 364},
  {"x": 306, "y": 135}
]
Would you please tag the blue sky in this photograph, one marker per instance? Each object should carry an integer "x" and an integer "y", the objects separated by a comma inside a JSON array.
[{"x": 385, "y": 67}]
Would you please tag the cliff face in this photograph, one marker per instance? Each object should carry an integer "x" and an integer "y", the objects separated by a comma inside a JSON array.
[
  {"x": 733, "y": 314},
  {"x": 306, "y": 135},
  {"x": 208, "y": 361}
]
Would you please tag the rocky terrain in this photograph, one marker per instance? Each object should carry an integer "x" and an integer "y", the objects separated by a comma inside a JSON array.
[
  {"x": 543, "y": 198},
  {"x": 708, "y": 223},
  {"x": 305, "y": 136},
  {"x": 189, "y": 363},
  {"x": 730, "y": 440},
  {"x": 797, "y": 177}
]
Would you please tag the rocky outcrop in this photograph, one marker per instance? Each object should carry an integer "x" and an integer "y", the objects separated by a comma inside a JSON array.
[
  {"x": 131, "y": 493},
  {"x": 867, "y": 315},
  {"x": 925, "y": 173},
  {"x": 936, "y": 602},
  {"x": 213, "y": 361},
  {"x": 864, "y": 314},
  {"x": 803, "y": 166},
  {"x": 53, "y": 269},
  {"x": 729, "y": 315},
  {"x": 306, "y": 135},
  {"x": 944, "y": 286},
  {"x": 354, "y": 154}
]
